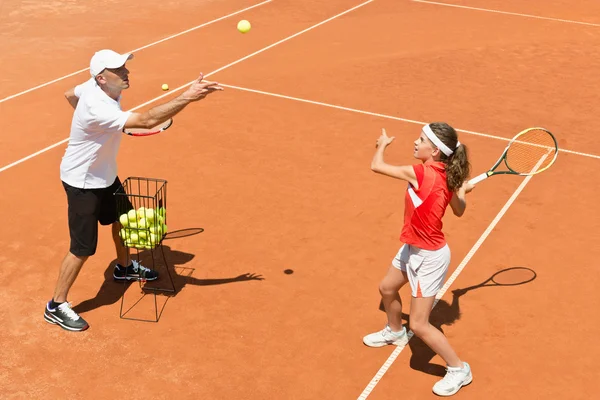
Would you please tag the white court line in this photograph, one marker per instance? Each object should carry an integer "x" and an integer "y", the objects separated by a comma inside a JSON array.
[
  {"x": 138, "y": 49},
  {"x": 505, "y": 12},
  {"x": 189, "y": 83},
  {"x": 388, "y": 363},
  {"x": 412, "y": 121}
]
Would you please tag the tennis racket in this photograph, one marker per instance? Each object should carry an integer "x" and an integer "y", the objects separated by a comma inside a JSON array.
[
  {"x": 149, "y": 132},
  {"x": 530, "y": 152}
]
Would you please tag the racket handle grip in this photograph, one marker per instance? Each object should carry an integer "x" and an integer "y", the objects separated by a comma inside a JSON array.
[{"x": 478, "y": 178}]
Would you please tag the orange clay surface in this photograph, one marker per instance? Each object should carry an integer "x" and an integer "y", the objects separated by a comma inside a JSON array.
[{"x": 279, "y": 184}]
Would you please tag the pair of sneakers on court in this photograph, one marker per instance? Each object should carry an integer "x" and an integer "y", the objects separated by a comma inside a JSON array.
[
  {"x": 64, "y": 316},
  {"x": 455, "y": 377}
]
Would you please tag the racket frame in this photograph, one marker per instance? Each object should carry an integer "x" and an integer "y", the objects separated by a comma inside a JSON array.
[
  {"x": 151, "y": 132},
  {"x": 492, "y": 171}
]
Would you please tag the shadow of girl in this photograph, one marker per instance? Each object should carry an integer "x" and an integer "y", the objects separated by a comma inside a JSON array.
[{"x": 442, "y": 314}]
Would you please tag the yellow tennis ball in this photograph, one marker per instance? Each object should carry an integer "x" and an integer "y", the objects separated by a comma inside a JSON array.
[
  {"x": 165, "y": 86},
  {"x": 150, "y": 214},
  {"x": 132, "y": 215},
  {"x": 243, "y": 26},
  {"x": 124, "y": 219}
]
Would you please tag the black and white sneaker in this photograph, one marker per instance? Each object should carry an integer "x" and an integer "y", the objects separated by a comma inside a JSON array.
[
  {"x": 64, "y": 316},
  {"x": 134, "y": 272}
]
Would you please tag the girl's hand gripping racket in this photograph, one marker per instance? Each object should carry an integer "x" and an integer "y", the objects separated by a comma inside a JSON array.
[
  {"x": 528, "y": 153},
  {"x": 148, "y": 132}
]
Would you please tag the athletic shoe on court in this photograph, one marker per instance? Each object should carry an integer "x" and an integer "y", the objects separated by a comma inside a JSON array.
[
  {"x": 455, "y": 379},
  {"x": 65, "y": 317},
  {"x": 134, "y": 272},
  {"x": 386, "y": 337}
]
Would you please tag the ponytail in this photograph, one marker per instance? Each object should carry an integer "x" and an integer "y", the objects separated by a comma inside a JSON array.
[{"x": 458, "y": 167}]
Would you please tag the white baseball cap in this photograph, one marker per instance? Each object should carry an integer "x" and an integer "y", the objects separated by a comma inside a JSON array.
[{"x": 107, "y": 59}]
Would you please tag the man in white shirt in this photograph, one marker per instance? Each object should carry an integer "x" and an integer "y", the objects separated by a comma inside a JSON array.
[{"x": 89, "y": 171}]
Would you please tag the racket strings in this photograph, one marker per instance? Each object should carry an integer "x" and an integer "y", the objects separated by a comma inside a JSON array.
[{"x": 531, "y": 152}]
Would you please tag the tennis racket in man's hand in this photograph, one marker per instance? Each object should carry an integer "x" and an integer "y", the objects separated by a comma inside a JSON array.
[
  {"x": 530, "y": 152},
  {"x": 200, "y": 88},
  {"x": 149, "y": 132}
]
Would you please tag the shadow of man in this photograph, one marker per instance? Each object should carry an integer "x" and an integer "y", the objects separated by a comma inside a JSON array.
[{"x": 111, "y": 291}]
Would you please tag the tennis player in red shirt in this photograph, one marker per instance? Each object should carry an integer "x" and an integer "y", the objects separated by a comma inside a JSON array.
[{"x": 438, "y": 181}]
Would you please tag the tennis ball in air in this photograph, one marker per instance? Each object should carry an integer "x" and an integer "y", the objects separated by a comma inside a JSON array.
[
  {"x": 165, "y": 86},
  {"x": 243, "y": 26}
]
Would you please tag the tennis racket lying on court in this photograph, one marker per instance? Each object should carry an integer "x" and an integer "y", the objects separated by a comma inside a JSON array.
[
  {"x": 530, "y": 152},
  {"x": 149, "y": 132}
]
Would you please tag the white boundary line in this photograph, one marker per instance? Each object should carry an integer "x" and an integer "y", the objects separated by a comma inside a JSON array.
[
  {"x": 412, "y": 121},
  {"x": 189, "y": 83},
  {"x": 138, "y": 49},
  {"x": 505, "y": 12},
  {"x": 388, "y": 363}
]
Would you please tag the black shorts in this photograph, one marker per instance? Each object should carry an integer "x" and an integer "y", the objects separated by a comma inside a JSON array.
[{"x": 87, "y": 208}]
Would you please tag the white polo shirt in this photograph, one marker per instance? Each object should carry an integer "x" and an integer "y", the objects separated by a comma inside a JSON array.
[{"x": 90, "y": 161}]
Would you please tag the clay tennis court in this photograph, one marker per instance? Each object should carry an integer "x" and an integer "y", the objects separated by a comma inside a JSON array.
[{"x": 274, "y": 173}]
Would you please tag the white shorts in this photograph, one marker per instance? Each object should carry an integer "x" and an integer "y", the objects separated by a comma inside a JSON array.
[{"x": 426, "y": 269}]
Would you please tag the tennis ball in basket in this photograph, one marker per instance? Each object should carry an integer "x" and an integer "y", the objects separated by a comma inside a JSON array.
[
  {"x": 140, "y": 212},
  {"x": 132, "y": 216},
  {"x": 243, "y": 26},
  {"x": 134, "y": 237},
  {"x": 143, "y": 234},
  {"x": 124, "y": 220},
  {"x": 150, "y": 214},
  {"x": 142, "y": 223}
]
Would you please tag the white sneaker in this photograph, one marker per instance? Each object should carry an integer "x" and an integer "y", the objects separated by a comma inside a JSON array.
[
  {"x": 386, "y": 337},
  {"x": 455, "y": 379}
]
